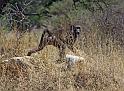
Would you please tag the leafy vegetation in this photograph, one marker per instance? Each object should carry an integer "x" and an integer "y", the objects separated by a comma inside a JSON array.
[{"x": 27, "y": 13}]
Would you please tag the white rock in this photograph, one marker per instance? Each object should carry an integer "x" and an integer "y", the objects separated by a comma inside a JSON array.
[{"x": 72, "y": 59}]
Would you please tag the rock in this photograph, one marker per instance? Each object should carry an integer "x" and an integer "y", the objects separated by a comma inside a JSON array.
[
  {"x": 17, "y": 67},
  {"x": 71, "y": 60}
]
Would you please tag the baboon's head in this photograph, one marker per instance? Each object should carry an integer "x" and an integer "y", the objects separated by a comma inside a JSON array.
[{"x": 76, "y": 29}]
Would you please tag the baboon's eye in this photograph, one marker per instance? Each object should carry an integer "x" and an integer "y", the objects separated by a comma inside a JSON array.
[{"x": 77, "y": 27}]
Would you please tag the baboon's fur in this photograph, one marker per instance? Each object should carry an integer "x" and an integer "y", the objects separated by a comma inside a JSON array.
[{"x": 58, "y": 38}]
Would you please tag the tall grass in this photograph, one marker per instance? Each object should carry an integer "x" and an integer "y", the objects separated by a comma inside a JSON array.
[{"x": 102, "y": 69}]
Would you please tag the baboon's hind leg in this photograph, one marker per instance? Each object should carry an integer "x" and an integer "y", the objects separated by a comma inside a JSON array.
[
  {"x": 33, "y": 51},
  {"x": 42, "y": 44},
  {"x": 40, "y": 47}
]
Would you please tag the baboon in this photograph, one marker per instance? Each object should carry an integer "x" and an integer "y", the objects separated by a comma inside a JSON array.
[{"x": 58, "y": 38}]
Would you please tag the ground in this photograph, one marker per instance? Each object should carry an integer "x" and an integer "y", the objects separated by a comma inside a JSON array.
[{"x": 40, "y": 72}]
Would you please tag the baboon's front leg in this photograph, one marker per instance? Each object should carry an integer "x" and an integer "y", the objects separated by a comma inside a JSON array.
[
  {"x": 61, "y": 46},
  {"x": 72, "y": 49},
  {"x": 62, "y": 53}
]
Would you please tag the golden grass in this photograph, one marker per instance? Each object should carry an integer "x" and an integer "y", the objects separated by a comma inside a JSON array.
[{"x": 102, "y": 69}]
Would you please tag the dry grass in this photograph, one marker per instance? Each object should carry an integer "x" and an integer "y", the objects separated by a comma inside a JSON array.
[{"x": 102, "y": 70}]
